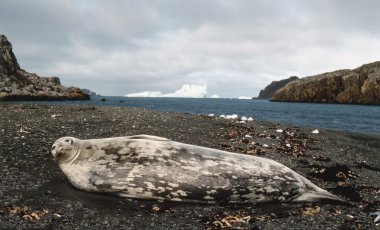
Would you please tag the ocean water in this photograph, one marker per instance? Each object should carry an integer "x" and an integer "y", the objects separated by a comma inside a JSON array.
[{"x": 354, "y": 118}]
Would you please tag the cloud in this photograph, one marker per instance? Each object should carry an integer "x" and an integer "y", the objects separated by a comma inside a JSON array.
[{"x": 235, "y": 47}]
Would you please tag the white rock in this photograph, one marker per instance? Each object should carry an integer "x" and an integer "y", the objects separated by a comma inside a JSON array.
[
  {"x": 315, "y": 131},
  {"x": 248, "y": 136},
  {"x": 234, "y": 116},
  {"x": 56, "y": 115},
  {"x": 250, "y": 119},
  {"x": 288, "y": 145},
  {"x": 211, "y": 115},
  {"x": 279, "y": 131},
  {"x": 265, "y": 145}
]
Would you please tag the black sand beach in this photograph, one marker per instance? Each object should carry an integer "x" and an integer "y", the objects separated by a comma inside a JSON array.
[{"x": 34, "y": 193}]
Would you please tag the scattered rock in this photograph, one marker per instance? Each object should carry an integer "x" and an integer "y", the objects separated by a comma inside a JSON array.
[{"x": 332, "y": 173}]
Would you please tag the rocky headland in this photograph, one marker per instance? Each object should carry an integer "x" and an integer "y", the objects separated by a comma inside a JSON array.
[
  {"x": 269, "y": 90},
  {"x": 356, "y": 86},
  {"x": 18, "y": 84}
]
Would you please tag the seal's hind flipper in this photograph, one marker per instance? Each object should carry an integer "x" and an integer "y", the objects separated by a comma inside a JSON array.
[{"x": 318, "y": 197}]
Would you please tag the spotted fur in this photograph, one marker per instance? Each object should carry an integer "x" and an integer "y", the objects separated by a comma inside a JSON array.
[{"x": 150, "y": 167}]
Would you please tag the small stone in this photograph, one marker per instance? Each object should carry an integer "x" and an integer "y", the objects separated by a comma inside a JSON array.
[{"x": 57, "y": 216}]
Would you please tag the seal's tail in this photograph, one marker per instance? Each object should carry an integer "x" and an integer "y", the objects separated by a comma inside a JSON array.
[{"x": 320, "y": 196}]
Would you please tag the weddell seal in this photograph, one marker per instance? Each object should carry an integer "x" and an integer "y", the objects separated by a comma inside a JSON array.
[{"x": 150, "y": 167}]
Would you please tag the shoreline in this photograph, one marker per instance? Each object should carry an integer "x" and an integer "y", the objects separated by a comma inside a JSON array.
[
  {"x": 344, "y": 163},
  {"x": 333, "y": 123}
]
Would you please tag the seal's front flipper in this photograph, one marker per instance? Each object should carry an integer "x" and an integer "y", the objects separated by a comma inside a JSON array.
[{"x": 149, "y": 137}]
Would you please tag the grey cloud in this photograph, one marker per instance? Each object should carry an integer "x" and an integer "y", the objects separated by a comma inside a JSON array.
[{"x": 235, "y": 47}]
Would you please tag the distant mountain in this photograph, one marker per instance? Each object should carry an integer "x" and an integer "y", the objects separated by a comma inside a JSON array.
[
  {"x": 269, "y": 90},
  {"x": 18, "y": 84},
  {"x": 357, "y": 86}
]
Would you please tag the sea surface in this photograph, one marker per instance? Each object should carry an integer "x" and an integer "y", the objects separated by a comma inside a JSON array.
[{"x": 354, "y": 118}]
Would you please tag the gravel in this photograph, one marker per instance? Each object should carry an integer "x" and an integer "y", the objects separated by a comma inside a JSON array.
[{"x": 34, "y": 193}]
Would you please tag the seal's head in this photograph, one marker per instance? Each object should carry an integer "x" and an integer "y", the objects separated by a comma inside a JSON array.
[{"x": 65, "y": 149}]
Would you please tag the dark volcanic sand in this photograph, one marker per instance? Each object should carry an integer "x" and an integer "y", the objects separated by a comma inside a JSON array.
[{"x": 35, "y": 194}]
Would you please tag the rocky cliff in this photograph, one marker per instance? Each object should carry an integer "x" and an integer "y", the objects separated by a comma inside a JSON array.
[
  {"x": 269, "y": 90},
  {"x": 18, "y": 84},
  {"x": 357, "y": 86}
]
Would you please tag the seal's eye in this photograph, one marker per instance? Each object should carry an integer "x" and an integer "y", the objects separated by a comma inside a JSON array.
[{"x": 69, "y": 141}]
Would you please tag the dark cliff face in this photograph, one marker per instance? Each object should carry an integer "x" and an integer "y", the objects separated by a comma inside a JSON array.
[
  {"x": 18, "y": 84},
  {"x": 269, "y": 90},
  {"x": 8, "y": 61},
  {"x": 357, "y": 86}
]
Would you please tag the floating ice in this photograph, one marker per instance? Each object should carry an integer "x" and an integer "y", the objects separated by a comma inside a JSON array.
[{"x": 243, "y": 118}]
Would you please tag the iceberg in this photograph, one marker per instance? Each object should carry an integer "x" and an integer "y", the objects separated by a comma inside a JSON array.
[{"x": 187, "y": 91}]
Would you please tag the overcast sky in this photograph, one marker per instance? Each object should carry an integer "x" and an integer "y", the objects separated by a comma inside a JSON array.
[{"x": 236, "y": 47}]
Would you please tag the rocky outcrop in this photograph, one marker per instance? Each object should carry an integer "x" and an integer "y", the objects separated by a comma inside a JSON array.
[
  {"x": 18, "y": 84},
  {"x": 269, "y": 90},
  {"x": 357, "y": 86}
]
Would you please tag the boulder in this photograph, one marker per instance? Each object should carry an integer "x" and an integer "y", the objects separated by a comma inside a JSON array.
[
  {"x": 357, "y": 86},
  {"x": 18, "y": 84}
]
